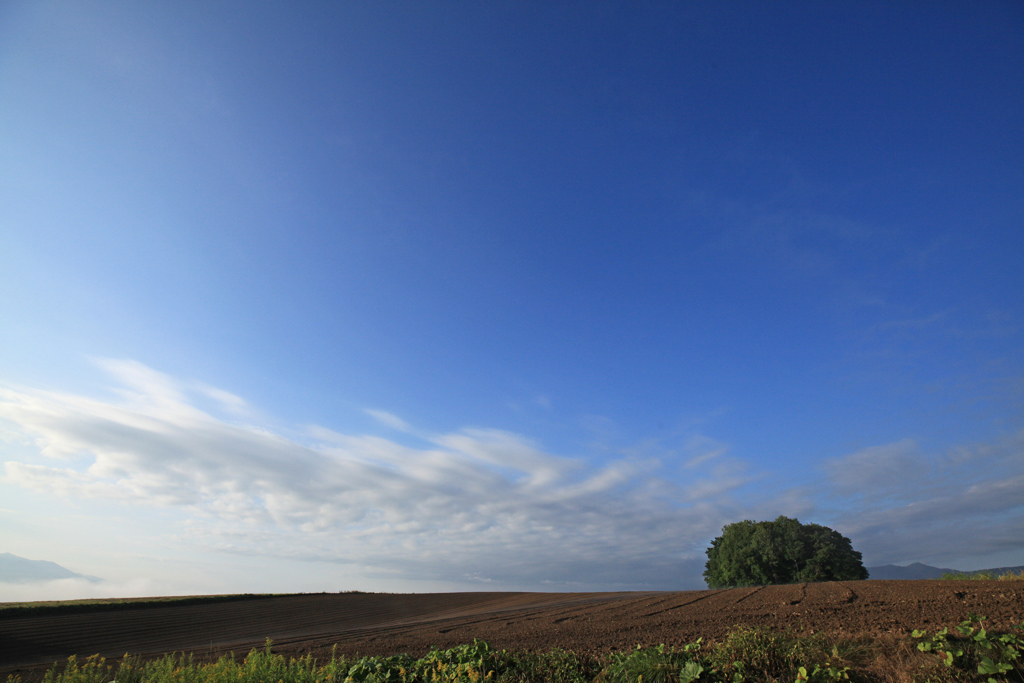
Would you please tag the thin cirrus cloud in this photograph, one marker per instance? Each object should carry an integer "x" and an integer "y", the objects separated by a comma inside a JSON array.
[
  {"x": 389, "y": 420},
  {"x": 903, "y": 503},
  {"x": 878, "y": 470},
  {"x": 486, "y": 506}
]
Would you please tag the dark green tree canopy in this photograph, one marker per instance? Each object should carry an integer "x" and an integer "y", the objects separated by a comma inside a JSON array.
[{"x": 784, "y": 551}]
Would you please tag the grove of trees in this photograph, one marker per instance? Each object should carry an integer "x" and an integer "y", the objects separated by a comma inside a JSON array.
[{"x": 784, "y": 551}]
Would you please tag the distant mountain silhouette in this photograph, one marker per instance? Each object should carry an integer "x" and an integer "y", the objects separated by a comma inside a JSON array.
[
  {"x": 924, "y": 571},
  {"x": 912, "y": 571},
  {"x": 14, "y": 569}
]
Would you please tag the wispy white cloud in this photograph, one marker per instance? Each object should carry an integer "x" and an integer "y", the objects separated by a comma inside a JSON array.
[
  {"x": 915, "y": 323},
  {"x": 879, "y": 470},
  {"x": 487, "y": 503},
  {"x": 901, "y": 503},
  {"x": 475, "y": 502},
  {"x": 389, "y": 420},
  {"x": 701, "y": 450},
  {"x": 235, "y": 405}
]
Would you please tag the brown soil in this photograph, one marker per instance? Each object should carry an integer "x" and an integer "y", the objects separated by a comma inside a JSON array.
[{"x": 373, "y": 624}]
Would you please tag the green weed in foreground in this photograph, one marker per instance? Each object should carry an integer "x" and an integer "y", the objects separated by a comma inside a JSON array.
[
  {"x": 760, "y": 654},
  {"x": 970, "y": 653},
  {"x": 654, "y": 665},
  {"x": 972, "y": 650}
]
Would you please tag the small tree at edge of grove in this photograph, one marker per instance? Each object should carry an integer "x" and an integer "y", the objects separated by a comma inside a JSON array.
[{"x": 784, "y": 551}]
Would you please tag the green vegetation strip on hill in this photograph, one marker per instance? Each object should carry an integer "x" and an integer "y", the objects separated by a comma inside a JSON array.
[
  {"x": 969, "y": 653},
  {"x": 983, "y": 576},
  {"x": 13, "y": 610}
]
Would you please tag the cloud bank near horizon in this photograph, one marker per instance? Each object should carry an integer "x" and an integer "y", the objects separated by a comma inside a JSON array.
[
  {"x": 479, "y": 505},
  {"x": 78, "y": 589}
]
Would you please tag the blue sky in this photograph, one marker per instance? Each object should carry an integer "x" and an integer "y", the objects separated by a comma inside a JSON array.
[{"x": 427, "y": 296}]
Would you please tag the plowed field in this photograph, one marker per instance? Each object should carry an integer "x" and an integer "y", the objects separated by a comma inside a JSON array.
[{"x": 586, "y": 622}]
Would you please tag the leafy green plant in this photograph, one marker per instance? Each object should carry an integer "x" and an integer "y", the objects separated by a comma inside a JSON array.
[
  {"x": 971, "y": 648},
  {"x": 939, "y": 644},
  {"x": 130, "y": 670},
  {"x": 93, "y": 670},
  {"x": 465, "y": 663},
  {"x": 763, "y": 654},
  {"x": 394, "y": 669},
  {"x": 823, "y": 673},
  {"x": 559, "y": 665},
  {"x": 656, "y": 664}
]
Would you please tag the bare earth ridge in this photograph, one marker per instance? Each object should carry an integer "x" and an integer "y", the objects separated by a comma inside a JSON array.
[{"x": 377, "y": 624}]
